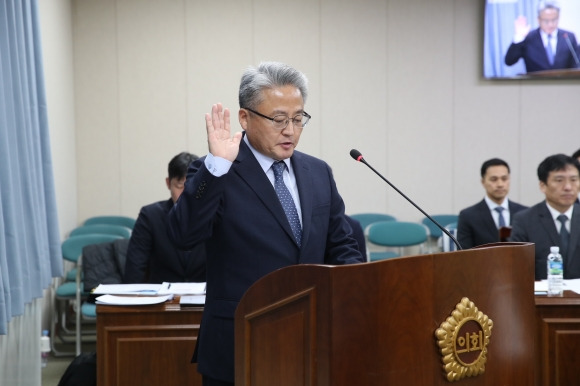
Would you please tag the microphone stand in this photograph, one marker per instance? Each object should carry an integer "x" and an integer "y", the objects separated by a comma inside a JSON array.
[{"x": 357, "y": 156}]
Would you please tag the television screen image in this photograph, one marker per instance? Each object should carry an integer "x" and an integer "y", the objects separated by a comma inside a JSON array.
[{"x": 531, "y": 39}]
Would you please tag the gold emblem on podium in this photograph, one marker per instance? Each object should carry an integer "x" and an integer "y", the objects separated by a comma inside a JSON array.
[{"x": 463, "y": 339}]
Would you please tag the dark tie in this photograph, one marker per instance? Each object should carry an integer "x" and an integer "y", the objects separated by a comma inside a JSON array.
[
  {"x": 564, "y": 236},
  {"x": 501, "y": 220},
  {"x": 286, "y": 200},
  {"x": 549, "y": 51}
]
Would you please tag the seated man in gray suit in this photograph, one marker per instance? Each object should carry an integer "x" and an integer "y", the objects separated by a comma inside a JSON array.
[
  {"x": 479, "y": 224},
  {"x": 555, "y": 221}
]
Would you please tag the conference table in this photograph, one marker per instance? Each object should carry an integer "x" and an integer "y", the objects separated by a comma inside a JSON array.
[
  {"x": 558, "y": 339},
  {"x": 153, "y": 344},
  {"x": 147, "y": 345}
]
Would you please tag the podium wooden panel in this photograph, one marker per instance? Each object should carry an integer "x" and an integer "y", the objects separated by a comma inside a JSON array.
[
  {"x": 147, "y": 345},
  {"x": 375, "y": 323},
  {"x": 558, "y": 340}
]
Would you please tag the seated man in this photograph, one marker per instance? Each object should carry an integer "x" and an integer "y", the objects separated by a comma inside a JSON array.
[
  {"x": 555, "y": 221},
  {"x": 151, "y": 256},
  {"x": 479, "y": 224}
]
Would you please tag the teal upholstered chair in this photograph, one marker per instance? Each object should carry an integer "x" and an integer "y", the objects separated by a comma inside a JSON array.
[
  {"x": 128, "y": 222},
  {"x": 396, "y": 234},
  {"x": 367, "y": 219},
  {"x": 71, "y": 292}
]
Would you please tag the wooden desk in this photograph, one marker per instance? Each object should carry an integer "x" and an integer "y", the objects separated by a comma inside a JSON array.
[
  {"x": 558, "y": 340},
  {"x": 147, "y": 345}
]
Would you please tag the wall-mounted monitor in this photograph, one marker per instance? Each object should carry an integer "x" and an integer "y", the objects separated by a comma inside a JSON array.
[{"x": 531, "y": 39}]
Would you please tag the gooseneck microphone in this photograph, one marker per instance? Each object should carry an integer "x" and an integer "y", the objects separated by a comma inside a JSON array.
[
  {"x": 572, "y": 50},
  {"x": 357, "y": 156}
]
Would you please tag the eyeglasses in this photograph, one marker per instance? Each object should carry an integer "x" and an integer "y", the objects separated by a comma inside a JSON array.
[{"x": 281, "y": 121}]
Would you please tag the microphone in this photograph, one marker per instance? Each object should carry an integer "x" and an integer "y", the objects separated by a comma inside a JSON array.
[
  {"x": 357, "y": 156},
  {"x": 571, "y": 48}
]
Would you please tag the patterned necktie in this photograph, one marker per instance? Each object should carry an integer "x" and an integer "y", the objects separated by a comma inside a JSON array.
[
  {"x": 549, "y": 51},
  {"x": 286, "y": 200},
  {"x": 501, "y": 220},
  {"x": 564, "y": 236}
]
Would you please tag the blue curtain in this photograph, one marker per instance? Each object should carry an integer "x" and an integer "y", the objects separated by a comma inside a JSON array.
[
  {"x": 29, "y": 234},
  {"x": 499, "y": 33}
]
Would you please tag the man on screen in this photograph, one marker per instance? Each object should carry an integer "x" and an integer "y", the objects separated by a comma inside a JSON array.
[{"x": 545, "y": 48}]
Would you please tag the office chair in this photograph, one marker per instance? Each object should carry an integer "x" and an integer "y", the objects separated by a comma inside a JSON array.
[
  {"x": 71, "y": 292},
  {"x": 396, "y": 234},
  {"x": 128, "y": 222},
  {"x": 434, "y": 231},
  {"x": 445, "y": 242},
  {"x": 367, "y": 219}
]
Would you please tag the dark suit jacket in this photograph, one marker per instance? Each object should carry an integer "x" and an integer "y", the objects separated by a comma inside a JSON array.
[
  {"x": 358, "y": 234},
  {"x": 153, "y": 258},
  {"x": 534, "y": 53},
  {"x": 247, "y": 236},
  {"x": 537, "y": 225},
  {"x": 475, "y": 225}
]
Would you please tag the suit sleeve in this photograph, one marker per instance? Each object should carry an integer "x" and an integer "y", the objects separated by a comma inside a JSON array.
[
  {"x": 519, "y": 232},
  {"x": 341, "y": 247},
  {"x": 139, "y": 251},
  {"x": 514, "y": 53},
  {"x": 464, "y": 232},
  {"x": 192, "y": 217}
]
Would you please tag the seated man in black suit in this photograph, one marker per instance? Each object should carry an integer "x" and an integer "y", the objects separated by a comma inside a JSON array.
[
  {"x": 151, "y": 256},
  {"x": 555, "y": 221},
  {"x": 546, "y": 47},
  {"x": 479, "y": 224}
]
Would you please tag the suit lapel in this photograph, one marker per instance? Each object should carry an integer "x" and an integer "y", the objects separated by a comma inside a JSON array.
[
  {"x": 547, "y": 222},
  {"x": 249, "y": 170},
  {"x": 304, "y": 182},
  {"x": 488, "y": 222},
  {"x": 539, "y": 45}
]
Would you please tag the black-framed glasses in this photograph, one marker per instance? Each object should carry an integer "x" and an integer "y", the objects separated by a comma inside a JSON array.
[{"x": 280, "y": 121}]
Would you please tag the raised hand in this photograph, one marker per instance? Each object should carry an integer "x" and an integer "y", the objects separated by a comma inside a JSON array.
[
  {"x": 521, "y": 27},
  {"x": 219, "y": 138}
]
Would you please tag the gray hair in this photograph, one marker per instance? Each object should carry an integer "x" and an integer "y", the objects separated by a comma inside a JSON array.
[
  {"x": 548, "y": 4},
  {"x": 266, "y": 76}
]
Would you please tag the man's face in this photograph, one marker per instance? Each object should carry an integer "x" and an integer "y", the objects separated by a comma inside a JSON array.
[
  {"x": 272, "y": 142},
  {"x": 175, "y": 186},
  {"x": 496, "y": 182},
  {"x": 548, "y": 20},
  {"x": 561, "y": 188}
]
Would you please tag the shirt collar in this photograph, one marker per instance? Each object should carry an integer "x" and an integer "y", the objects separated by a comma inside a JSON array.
[{"x": 492, "y": 205}]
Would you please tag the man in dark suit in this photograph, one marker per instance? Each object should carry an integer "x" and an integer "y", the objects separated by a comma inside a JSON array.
[
  {"x": 255, "y": 214},
  {"x": 555, "y": 221},
  {"x": 545, "y": 48},
  {"x": 479, "y": 224},
  {"x": 152, "y": 257}
]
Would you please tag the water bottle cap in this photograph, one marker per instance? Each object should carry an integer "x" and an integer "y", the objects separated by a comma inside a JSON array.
[
  {"x": 555, "y": 249},
  {"x": 45, "y": 332}
]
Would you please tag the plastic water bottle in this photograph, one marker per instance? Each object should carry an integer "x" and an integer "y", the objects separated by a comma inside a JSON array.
[
  {"x": 555, "y": 272},
  {"x": 44, "y": 348}
]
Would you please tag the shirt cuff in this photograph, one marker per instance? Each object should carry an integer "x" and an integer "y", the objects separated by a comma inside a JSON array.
[{"x": 217, "y": 166}]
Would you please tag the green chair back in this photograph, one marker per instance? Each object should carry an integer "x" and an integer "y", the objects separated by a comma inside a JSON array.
[
  {"x": 443, "y": 219},
  {"x": 104, "y": 229},
  {"x": 397, "y": 233},
  {"x": 128, "y": 222},
  {"x": 367, "y": 219},
  {"x": 72, "y": 248}
]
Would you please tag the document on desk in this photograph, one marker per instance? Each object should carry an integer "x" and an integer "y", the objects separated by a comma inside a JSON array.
[
  {"x": 192, "y": 300},
  {"x": 131, "y": 300},
  {"x": 127, "y": 289},
  {"x": 541, "y": 287},
  {"x": 182, "y": 288}
]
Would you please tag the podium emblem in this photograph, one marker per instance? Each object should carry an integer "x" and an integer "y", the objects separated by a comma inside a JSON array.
[{"x": 463, "y": 339}]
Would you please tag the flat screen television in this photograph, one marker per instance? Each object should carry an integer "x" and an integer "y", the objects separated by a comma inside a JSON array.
[{"x": 509, "y": 21}]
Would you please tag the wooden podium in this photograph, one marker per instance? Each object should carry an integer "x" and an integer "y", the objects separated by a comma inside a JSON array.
[{"x": 375, "y": 323}]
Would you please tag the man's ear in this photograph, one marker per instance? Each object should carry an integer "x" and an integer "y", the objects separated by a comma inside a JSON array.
[
  {"x": 243, "y": 118},
  {"x": 543, "y": 187},
  {"x": 167, "y": 183}
]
